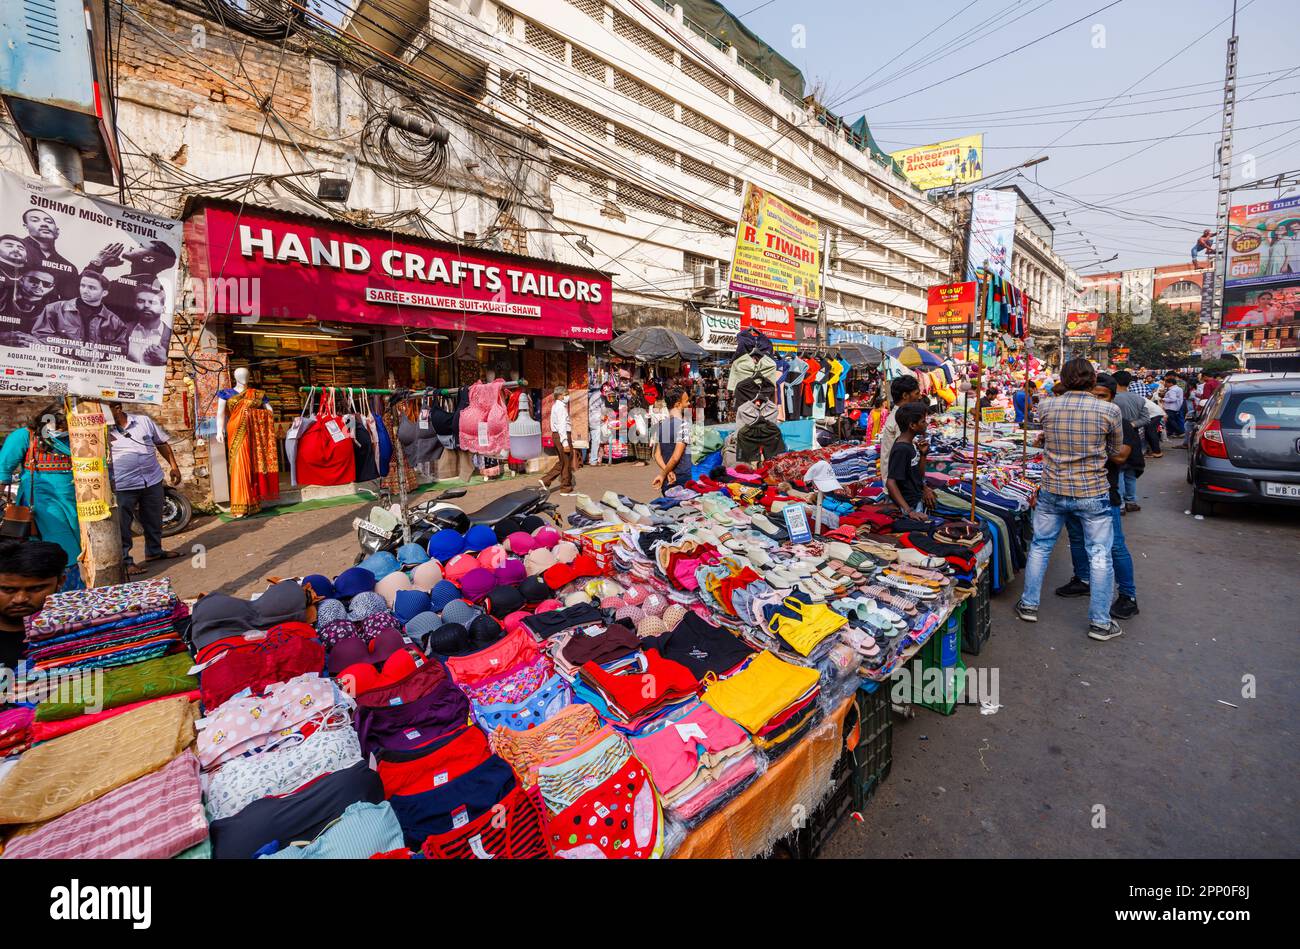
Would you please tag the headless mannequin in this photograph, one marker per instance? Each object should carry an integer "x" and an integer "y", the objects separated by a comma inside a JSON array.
[{"x": 241, "y": 383}]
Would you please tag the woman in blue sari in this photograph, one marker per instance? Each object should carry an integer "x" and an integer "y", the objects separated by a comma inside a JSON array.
[{"x": 41, "y": 452}]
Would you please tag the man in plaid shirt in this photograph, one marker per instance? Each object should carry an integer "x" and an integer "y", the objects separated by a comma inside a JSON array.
[{"x": 1080, "y": 432}]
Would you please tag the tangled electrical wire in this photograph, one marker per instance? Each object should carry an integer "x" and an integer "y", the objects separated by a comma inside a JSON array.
[
  {"x": 405, "y": 146},
  {"x": 263, "y": 19}
]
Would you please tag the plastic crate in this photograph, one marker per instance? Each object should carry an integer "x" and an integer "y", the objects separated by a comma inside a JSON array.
[
  {"x": 873, "y": 749},
  {"x": 942, "y": 652},
  {"x": 977, "y": 624},
  {"x": 862, "y": 765}
]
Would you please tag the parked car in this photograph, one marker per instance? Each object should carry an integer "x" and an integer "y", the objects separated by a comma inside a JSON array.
[{"x": 1247, "y": 446}]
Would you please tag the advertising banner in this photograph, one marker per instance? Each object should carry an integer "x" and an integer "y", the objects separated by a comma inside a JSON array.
[
  {"x": 950, "y": 308},
  {"x": 1264, "y": 243},
  {"x": 992, "y": 231},
  {"x": 1105, "y": 336},
  {"x": 943, "y": 164},
  {"x": 1082, "y": 327},
  {"x": 778, "y": 251},
  {"x": 1276, "y": 306},
  {"x": 772, "y": 319},
  {"x": 87, "y": 439},
  {"x": 87, "y": 292},
  {"x": 304, "y": 268},
  {"x": 1119, "y": 355},
  {"x": 718, "y": 330}
]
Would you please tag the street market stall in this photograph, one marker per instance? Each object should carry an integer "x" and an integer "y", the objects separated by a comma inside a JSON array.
[{"x": 677, "y": 677}]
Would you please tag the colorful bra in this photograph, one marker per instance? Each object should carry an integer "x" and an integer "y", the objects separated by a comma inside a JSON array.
[{"x": 553, "y": 695}]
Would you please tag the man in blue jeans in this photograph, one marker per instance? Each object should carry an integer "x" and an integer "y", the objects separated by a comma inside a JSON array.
[
  {"x": 1080, "y": 434},
  {"x": 1125, "y": 605}
]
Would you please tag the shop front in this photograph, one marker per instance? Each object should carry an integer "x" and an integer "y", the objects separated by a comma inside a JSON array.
[{"x": 305, "y": 303}]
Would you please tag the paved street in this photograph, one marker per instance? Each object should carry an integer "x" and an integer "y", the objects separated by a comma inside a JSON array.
[
  {"x": 1134, "y": 725},
  {"x": 236, "y": 557}
]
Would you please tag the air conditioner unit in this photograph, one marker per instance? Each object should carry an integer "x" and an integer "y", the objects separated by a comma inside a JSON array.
[{"x": 706, "y": 275}]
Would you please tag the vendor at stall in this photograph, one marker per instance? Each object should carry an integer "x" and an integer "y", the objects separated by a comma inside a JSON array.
[{"x": 30, "y": 571}]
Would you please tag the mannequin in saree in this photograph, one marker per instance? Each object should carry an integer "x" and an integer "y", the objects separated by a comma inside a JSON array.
[{"x": 246, "y": 427}]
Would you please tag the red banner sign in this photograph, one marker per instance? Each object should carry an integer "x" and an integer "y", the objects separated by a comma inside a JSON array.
[
  {"x": 950, "y": 309},
  {"x": 772, "y": 319},
  {"x": 313, "y": 269}
]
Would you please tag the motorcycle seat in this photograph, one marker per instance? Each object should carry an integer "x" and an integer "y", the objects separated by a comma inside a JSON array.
[{"x": 508, "y": 506}]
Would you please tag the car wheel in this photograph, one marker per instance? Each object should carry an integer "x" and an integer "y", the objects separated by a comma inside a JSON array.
[{"x": 1201, "y": 506}]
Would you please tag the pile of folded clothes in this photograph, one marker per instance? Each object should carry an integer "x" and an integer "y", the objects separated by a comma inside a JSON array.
[
  {"x": 697, "y": 759},
  {"x": 105, "y": 627},
  {"x": 774, "y": 701}
]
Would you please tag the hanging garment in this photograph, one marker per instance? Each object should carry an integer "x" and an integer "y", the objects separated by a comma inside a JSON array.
[
  {"x": 325, "y": 454},
  {"x": 363, "y": 450},
  {"x": 752, "y": 342},
  {"x": 759, "y": 372},
  {"x": 810, "y": 380},
  {"x": 300, "y": 425},
  {"x": 795, "y": 374},
  {"x": 383, "y": 442},
  {"x": 759, "y": 441},
  {"x": 484, "y": 428}
]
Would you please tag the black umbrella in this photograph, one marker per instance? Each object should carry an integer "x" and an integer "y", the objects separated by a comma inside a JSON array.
[
  {"x": 649, "y": 343},
  {"x": 860, "y": 354}
]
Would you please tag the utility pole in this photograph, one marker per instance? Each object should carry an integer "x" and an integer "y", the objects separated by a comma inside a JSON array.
[
  {"x": 101, "y": 543},
  {"x": 1225, "y": 178}
]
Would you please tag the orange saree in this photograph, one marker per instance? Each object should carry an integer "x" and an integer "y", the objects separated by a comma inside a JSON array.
[{"x": 252, "y": 460}]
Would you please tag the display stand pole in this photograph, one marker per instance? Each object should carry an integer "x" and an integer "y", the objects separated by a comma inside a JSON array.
[
  {"x": 819, "y": 512},
  {"x": 981, "y": 303},
  {"x": 1024, "y": 425}
]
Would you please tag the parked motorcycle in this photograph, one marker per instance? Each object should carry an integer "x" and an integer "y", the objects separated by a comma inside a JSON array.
[
  {"x": 383, "y": 529},
  {"x": 177, "y": 512}
]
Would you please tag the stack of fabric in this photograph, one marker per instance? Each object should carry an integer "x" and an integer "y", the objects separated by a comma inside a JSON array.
[
  {"x": 635, "y": 690},
  {"x": 774, "y": 701},
  {"x": 698, "y": 759},
  {"x": 15, "y": 731},
  {"x": 124, "y": 787},
  {"x": 105, "y": 627}
]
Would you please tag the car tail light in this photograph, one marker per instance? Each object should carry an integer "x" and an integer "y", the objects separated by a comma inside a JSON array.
[{"x": 1212, "y": 440}]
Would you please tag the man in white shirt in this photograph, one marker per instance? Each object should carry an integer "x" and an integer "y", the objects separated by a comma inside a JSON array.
[
  {"x": 1174, "y": 405},
  {"x": 562, "y": 436}
]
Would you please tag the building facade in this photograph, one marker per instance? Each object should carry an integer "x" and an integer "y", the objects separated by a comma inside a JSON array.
[{"x": 655, "y": 125}]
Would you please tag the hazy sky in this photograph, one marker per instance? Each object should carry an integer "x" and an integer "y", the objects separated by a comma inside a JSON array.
[{"x": 1145, "y": 159}]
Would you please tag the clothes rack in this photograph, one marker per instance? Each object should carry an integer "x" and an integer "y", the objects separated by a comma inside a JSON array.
[{"x": 403, "y": 491}]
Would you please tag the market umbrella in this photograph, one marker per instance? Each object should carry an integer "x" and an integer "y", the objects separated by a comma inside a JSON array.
[
  {"x": 860, "y": 354},
  {"x": 913, "y": 357},
  {"x": 649, "y": 343}
]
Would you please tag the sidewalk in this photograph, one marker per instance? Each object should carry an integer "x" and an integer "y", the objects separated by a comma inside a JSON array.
[{"x": 237, "y": 556}]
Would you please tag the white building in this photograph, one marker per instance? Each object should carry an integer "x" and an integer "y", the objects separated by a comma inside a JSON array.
[{"x": 655, "y": 124}]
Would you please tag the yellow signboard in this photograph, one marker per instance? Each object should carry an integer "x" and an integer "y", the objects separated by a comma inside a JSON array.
[
  {"x": 959, "y": 161},
  {"x": 778, "y": 251},
  {"x": 993, "y": 415}
]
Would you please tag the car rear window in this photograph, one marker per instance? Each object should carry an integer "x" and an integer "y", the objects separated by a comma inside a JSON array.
[{"x": 1274, "y": 410}]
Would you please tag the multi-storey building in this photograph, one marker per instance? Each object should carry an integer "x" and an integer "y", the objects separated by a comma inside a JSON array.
[{"x": 655, "y": 123}]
